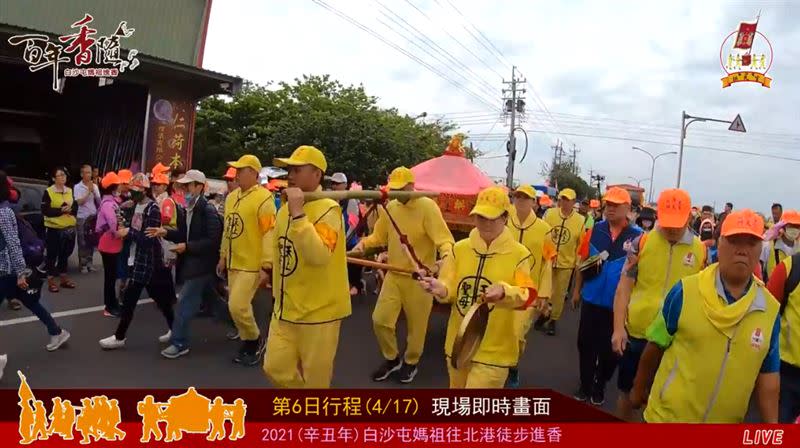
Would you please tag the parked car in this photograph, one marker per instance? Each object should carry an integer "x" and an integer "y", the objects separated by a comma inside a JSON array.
[{"x": 29, "y": 204}]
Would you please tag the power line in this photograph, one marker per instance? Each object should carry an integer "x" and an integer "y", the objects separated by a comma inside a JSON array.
[
  {"x": 455, "y": 39},
  {"x": 476, "y": 38},
  {"x": 402, "y": 50},
  {"x": 436, "y": 47}
]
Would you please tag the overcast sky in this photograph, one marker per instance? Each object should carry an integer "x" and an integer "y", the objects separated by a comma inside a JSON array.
[{"x": 617, "y": 69}]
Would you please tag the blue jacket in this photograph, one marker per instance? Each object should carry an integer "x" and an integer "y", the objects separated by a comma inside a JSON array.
[{"x": 601, "y": 289}]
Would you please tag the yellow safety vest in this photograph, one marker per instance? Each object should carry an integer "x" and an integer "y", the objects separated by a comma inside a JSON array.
[
  {"x": 533, "y": 234},
  {"x": 705, "y": 377},
  {"x": 309, "y": 282},
  {"x": 660, "y": 266},
  {"x": 566, "y": 233},
  {"x": 790, "y": 323},
  {"x": 771, "y": 263},
  {"x": 472, "y": 269},
  {"x": 244, "y": 227},
  {"x": 58, "y": 200}
]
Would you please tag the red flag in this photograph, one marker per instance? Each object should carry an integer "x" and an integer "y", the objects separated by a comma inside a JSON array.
[{"x": 745, "y": 36}]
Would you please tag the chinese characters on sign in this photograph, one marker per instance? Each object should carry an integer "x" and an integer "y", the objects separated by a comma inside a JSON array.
[
  {"x": 414, "y": 434},
  {"x": 97, "y": 418},
  {"x": 482, "y": 406},
  {"x": 344, "y": 406},
  {"x": 92, "y": 57},
  {"x": 169, "y": 131}
]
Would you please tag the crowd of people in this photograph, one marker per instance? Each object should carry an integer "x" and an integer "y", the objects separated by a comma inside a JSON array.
[{"x": 696, "y": 313}]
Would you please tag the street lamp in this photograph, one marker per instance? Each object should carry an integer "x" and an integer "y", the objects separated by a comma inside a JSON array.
[
  {"x": 736, "y": 125},
  {"x": 638, "y": 181},
  {"x": 653, "y": 169}
]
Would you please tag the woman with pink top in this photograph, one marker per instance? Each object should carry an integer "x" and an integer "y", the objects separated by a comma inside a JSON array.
[{"x": 112, "y": 231}]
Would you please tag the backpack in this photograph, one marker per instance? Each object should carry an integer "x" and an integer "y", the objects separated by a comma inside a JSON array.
[
  {"x": 32, "y": 245},
  {"x": 91, "y": 236}
]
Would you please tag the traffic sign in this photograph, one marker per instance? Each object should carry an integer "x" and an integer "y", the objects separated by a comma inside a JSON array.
[{"x": 737, "y": 125}]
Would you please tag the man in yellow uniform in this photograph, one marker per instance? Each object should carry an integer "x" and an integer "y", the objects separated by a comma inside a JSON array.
[
  {"x": 492, "y": 267},
  {"x": 246, "y": 251},
  {"x": 657, "y": 261},
  {"x": 715, "y": 341},
  {"x": 421, "y": 221},
  {"x": 309, "y": 279},
  {"x": 567, "y": 229},
  {"x": 533, "y": 233}
]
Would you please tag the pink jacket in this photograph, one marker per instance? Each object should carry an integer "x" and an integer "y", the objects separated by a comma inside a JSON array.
[{"x": 107, "y": 226}]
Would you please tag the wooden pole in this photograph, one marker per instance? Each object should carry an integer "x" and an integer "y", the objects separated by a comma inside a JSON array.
[{"x": 367, "y": 194}]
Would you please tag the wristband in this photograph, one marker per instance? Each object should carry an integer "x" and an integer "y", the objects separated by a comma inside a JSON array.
[{"x": 300, "y": 216}]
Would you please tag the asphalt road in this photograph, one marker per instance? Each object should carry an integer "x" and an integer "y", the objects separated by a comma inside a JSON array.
[{"x": 549, "y": 362}]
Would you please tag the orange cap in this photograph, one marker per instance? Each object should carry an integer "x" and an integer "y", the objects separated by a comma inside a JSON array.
[
  {"x": 545, "y": 200},
  {"x": 125, "y": 176},
  {"x": 674, "y": 208},
  {"x": 109, "y": 179},
  {"x": 743, "y": 222},
  {"x": 791, "y": 217},
  {"x": 160, "y": 178},
  {"x": 160, "y": 168},
  {"x": 616, "y": 195},
  {"x": 594, "y": 203},
  {"x": 230, "y": 174}
]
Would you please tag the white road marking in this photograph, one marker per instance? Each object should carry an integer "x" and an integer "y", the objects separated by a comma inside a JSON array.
[{"x": 91, "y": 309}]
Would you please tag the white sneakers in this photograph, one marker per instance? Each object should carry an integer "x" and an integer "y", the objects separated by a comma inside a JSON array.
[
  {"x": 3, "y": 362},
  {"x": 57, "y": 341},
  {"x": 111, "y": 343}
]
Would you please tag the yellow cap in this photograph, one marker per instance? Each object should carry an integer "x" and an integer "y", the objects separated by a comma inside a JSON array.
[
  {"x": 247, "y": 161},
  {"x": 526, "y": 190},
  {"x": 568, "y": 193},
  {"x": 492, "y": 202},
  {"x": 304, "y": 155},
  {"x": 400, "y": 177}
]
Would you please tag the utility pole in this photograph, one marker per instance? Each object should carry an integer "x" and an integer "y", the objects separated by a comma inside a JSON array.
[
  {"x": 575, "y": 152},
  {"x": 513, "y": 105},
  {"x": 599, "y": 178}
]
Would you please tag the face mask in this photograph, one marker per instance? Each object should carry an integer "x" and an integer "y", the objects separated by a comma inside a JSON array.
[
  {"x": 647, "y": 224},
  {"x": 188, "y": 196},
  {"x": 791, "y": 233},
  {"x": 137, "y": 196}
]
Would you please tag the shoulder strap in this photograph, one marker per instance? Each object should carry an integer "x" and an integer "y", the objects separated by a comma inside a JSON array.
[{"x": 792, "y": 280}]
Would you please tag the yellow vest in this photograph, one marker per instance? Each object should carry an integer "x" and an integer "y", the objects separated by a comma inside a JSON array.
[
  {"x": 771, "y": 264},
  {"x": 661, "y": 265},
  {"x": 57, "y": 200},
  {"x": 309, "y": 282},
  {"x": 705, "y": 377},
  {"x": 790, "y": 323},
  {"x": 533, "y": 234},
  {"x": 244, "y": 227},
  {"x": 566, "y": 234},
  {"x": 422, "y": 222},
  {"x": 474, "y": 268}
]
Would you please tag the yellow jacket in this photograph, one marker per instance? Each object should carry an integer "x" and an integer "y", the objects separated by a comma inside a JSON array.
[
  {"x": 57, "y": 200},
  {"x": 309, "y": 278},
  {"x": 790, "y": 323},
  {"x": 474, "y": 267},
  {"x": 249, "y": 221},
  {"x": 566, "y": 234},
  {"x": 421, "y": 221},
  {"x": 533, "y": 234}
]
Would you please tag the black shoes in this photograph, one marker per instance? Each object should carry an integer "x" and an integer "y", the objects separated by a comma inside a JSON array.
[
  {"x": 387, "y": 369},
  {"x": 249, "y": 353},
  {"x": 550, "y": 328},
  {"x": 407, "y": 373}
]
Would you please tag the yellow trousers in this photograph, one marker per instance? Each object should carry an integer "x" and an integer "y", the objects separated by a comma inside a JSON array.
[
  {"x": 561, "y": 278},
  {"x": 477, "y": 376},
  {"x": 300, "y": 356},
  {"x": 522, "y": 325},
  {"x": 402, "y": 293},
  {"x": 242, "y": 287}
]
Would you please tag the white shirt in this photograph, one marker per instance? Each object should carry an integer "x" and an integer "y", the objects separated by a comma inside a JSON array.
[
  {"x": 780, "y": 244},
  {"x": 89, "y": 207}
]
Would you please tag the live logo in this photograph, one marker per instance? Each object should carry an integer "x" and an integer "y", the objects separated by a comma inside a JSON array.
[{"x": 763, "y": 437}]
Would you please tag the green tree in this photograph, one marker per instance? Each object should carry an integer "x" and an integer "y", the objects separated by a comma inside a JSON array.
[
  {"x": 358, "y": 138},
  {"x": 565, "y": 175}
]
